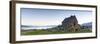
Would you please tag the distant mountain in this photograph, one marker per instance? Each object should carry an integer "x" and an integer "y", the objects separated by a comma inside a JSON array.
[
  {"x": 26, "y": 26},
  {"x": 39, "y": 26},
  {"x": 87, "y": 25}
]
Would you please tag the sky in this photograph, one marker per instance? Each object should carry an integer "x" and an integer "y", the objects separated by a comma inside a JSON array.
[{"x": 42, "y": 17}]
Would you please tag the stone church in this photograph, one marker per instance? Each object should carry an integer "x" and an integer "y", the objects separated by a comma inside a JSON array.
[{"x": 71, "y": 24}]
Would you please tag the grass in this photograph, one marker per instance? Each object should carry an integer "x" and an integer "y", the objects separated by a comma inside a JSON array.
[{"x": 41, "y": 32}]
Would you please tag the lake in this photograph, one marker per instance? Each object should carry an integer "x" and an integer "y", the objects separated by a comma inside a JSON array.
[{"x": 37, "y": 27}]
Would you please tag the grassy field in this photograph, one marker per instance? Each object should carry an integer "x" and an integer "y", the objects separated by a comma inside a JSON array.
[{"x": 41, "y": 32}]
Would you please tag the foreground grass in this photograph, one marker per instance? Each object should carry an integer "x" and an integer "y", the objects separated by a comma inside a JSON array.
[{"x": 40, "y": 32}]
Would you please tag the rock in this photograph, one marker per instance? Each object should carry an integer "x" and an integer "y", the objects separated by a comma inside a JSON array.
[{"x": 70, "y": 24}]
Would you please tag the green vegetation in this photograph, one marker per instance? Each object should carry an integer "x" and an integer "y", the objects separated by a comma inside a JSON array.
[{"x": 42, "y": 31}]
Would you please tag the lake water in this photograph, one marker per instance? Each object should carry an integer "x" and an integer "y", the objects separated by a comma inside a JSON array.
[{"x": 39, "y": 27}]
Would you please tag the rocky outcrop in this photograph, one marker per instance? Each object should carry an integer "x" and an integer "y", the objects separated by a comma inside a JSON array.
[{"x": 70, "y": 24}]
